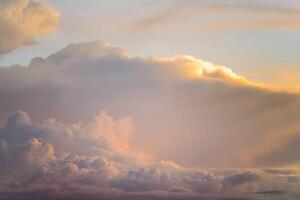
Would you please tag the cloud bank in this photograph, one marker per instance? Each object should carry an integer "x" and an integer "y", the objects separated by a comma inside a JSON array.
[
  {"x": 168, "y": 97},
  {"x": 54, "y": 160},
  {"x": 184, "y": 115},
  {"x": 22, "y": 21}
]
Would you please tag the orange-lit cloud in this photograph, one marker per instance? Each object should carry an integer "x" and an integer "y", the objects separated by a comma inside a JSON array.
[
  {"x": 186, "y": 114},
  {"x": 192, "y": 68},
  {"x": 285, "y": 77},
  {"x": 58, "y": 158},
  {"x": 165, "y": 96},
  {"x": 21, "y": 21}
]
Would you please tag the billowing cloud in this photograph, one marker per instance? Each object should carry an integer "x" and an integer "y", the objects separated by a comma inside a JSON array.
[
  {"x": 65, "y": 160},
  {"x": 186, "y": 117},
  {"x": 37, "y": 144},
  {"x": 22, "y": 21},
  {"x": 176, "y": 102}
]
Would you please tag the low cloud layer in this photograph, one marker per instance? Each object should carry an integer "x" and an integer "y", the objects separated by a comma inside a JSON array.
[
  {"x": 95, "y": 160},
  {"x": 22, "y": 21}
]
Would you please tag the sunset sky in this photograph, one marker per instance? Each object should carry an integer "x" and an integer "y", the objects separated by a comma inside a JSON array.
[
  {"x": 140, "y": 99},
  {"x": 257, "y": 38}
]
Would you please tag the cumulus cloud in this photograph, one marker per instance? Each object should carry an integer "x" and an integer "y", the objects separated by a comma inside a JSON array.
[
  {"x": 181, "y": 110},
  {"x": 185, "y": 109},
  {"x": 33, "y": 161},
  {"x": 21, "y": 21},
  {"x": 37, "y": 144}
]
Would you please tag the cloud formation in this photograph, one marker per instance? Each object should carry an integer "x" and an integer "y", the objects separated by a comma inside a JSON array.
[
  {"x": 22, "y": 21},
  {"x": 185, "y": 109},
  {"x": 55, "y": 160}
]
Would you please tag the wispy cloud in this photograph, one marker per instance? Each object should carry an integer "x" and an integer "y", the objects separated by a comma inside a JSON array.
[{"x": 221, "y": 15}]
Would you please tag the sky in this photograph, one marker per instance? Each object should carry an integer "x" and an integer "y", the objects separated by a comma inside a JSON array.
[
  {"x": 149, "y": 99},
  {"x": 253, "y": 37}
]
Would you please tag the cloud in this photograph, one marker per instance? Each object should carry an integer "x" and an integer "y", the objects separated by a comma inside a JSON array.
[
  {"x": 22, "y": 21},
  {"x": 279, "y": 151},
  {"x": 214, "y": 15},
  {"x": 36, "y": 144},
  {"x": 185, "y": 109},
  {"x": 34, "y": 162}
]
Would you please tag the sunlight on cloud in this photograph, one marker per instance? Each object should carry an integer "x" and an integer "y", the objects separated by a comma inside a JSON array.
[
  {"x": 192, "y": 121},
  {"x": 181, "y": 90},
  {"x": 93, "y": 121},
  {"x": 192, "y": 68},
  {"x": 22, "y": 21},
  {"x": 61, "y": 158}
]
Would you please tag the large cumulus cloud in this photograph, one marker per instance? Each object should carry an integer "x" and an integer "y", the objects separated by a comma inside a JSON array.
[
  {"x": 185, "y": 109},
  {"x": 180, "y": 108},
  {"x": 21, "y": 21}
]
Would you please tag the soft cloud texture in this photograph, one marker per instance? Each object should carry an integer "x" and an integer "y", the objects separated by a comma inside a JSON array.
[
  {"x": 221, "y": 14},
  {"x": 54, "y": 160},
  {"x": 178, "y": 127},
  {"x": 186, "y": 110},
  {"x": 27, "y": 145},
  {"x": 21, "y": 21}
]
